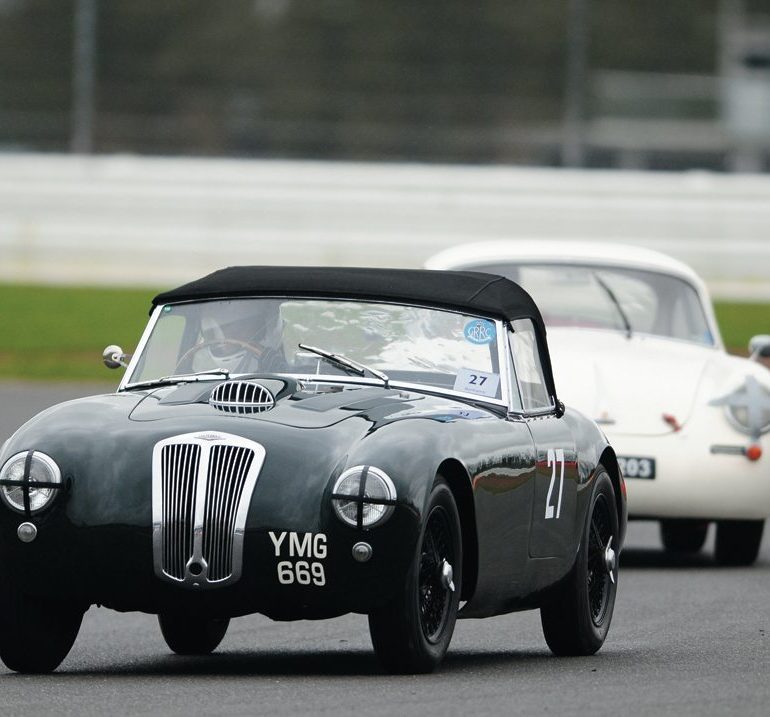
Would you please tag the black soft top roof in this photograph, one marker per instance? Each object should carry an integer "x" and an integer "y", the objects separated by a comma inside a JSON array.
[{"x": 468, "y": 291}]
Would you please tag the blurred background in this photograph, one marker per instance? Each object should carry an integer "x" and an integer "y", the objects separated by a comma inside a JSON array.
[
  {"x": 143, "y": 143},
  {"x": 643, "y": 84}
]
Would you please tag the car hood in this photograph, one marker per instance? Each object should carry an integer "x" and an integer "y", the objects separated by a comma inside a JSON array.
[
  {"x": 103, "y": 445},
  {"x": 293, "y": 407},
  {"x": 628, "y": 385}
]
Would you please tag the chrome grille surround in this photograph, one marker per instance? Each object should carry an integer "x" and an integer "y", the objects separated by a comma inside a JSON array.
[
  {"x": 202, "y": 485},
  {"x": 241, "y": 397}
]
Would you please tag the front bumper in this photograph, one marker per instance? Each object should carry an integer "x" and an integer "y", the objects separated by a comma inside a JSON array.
[
  {"x": 113, "y": 566},
  {"x": 693, "y": 482}
]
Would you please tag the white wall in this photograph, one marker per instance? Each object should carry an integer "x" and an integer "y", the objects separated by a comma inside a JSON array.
[{"x": 159, "y": 221}]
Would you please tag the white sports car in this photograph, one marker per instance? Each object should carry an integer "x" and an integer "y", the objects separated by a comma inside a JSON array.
[{"x": 636, "y": 347}]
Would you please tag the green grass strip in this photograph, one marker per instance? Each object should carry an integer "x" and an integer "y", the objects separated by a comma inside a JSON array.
[
  {"x": 58, "y": 333},
  {"x": 739, "y": 322}
]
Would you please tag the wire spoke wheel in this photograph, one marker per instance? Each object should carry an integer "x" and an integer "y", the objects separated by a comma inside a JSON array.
[
  {"x": 597, "y": 576},
  {"x": 412, "y": 632},
  {"x": 435, "y": 597},
  {"x": 576, "y": 616}
]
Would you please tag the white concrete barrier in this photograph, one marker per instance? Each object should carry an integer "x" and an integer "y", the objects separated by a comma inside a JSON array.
[{"x": 161, "y": 221}]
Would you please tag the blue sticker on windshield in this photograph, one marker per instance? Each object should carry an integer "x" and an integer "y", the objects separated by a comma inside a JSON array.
[{"x": 480, "y": 332}]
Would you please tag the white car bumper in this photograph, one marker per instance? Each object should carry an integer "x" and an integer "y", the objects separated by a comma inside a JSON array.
[{"x": 692, "y": 482}]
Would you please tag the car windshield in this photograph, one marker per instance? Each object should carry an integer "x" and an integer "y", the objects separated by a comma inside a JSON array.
[
  {"x": 601, "y": 297},
  {"x": 412, "y": 345}
]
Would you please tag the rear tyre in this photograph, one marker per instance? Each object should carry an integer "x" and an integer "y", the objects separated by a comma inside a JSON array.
[
  {"x": 738, "y": 541},
  {"x": 187, "y": 635},
  {"x": 35, "y": 634},
  {"x": 683, "y": 536},
  {"x": 577, "y": 616},
  {"x": 412, "y": 633}
]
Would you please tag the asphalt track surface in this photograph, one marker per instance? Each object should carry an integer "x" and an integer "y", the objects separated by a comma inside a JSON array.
[{"x": 688, "y": 638}]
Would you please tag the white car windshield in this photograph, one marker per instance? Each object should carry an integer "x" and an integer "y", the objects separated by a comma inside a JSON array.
[
  {"x": 601, "y": 297},
  {"x": 412, "y": 345}
]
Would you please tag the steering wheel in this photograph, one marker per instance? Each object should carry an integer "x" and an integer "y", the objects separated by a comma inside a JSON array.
[{"x": 254, "y": 349}]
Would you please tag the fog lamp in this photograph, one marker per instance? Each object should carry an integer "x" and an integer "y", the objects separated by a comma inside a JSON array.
[{"x": 27, "y": 532}]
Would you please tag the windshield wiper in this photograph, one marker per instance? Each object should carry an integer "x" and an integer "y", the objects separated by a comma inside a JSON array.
[
  {"x": 209, "y": 374},
  {"x": 347, "y": 364},
  {"x": 614, "y": 300}
]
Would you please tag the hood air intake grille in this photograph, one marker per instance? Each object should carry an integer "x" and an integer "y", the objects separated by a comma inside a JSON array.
[{"x": 241, "y": 397}]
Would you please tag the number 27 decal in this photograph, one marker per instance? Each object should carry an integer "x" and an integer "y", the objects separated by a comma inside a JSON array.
[{"x": 555, "y": 458}]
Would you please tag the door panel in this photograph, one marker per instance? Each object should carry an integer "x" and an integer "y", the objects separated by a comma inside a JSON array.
[
  {"x": 503, "y": 486},
  {"x": 555, "y": 496}
]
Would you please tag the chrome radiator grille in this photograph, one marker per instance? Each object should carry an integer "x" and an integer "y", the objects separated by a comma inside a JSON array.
[
  {"x": 180, "y": 471},
  {"x": 202, "y": 487}
]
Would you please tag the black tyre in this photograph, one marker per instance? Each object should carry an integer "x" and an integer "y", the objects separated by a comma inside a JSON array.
[
  {"x": 35, "y": 634},
  {"x": 738, "y": 541},
  {"x": 577, "y": 616},
  {"x": 683, "y": 536},
  {"x": 412, "y": 633},
  {"x": 187, "y": 635}
]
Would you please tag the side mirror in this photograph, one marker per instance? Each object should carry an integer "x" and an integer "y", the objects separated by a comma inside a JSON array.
[
  {"x": 114, "y": 357},
  {"x": 759, "y": 346}
]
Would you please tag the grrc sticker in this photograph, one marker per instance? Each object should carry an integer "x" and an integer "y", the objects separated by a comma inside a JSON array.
[{"x": 480, "y": 332}]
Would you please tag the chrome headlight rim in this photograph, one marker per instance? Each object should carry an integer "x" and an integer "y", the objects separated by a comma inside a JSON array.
[
  {"x": 51, "y": 486},
  {"x": 732, "y": 419},
  {"x": 369, "y": 511}
]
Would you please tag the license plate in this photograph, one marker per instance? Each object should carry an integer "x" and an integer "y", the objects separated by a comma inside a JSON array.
[{"x": 634, "y": 467}]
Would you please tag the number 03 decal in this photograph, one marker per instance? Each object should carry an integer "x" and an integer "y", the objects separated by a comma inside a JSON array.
[{"x": 555, "y": 457}]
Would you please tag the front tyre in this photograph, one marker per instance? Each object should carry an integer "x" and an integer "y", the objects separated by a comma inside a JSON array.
[
  {"x": 738, "y": 541},
  {"x": 412, "y": 633},
  {"x": 35, "y": 634},
  {"x": 187, "y": 635},
  {"x": 683, "y": 536},
  {"x": 577, "y": 616}
]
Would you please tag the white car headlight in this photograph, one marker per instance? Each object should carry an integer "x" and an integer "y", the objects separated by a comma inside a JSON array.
[
  {"x": 367, "y": 505},
  {"x": 747, "y": 407},
  {"x": 31, "y": 474}
]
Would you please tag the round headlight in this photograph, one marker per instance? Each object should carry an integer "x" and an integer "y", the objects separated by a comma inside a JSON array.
[
  {"x": 363, "y": 506},
  {"x": 42, "y": 470},
  {"x": 748, "y": 407}
]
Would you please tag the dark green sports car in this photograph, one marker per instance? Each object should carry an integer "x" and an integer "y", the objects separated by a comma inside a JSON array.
[{"x": 308, "y": 442}]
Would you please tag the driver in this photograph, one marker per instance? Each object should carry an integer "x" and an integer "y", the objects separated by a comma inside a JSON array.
[{"x": 242, "y": 336}]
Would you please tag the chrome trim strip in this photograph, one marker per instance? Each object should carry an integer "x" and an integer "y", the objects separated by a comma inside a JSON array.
[
  {"x": 133, "y": 363},
  {"x": 202, "y": 484},
  {"x": 508, "y": 374},
  {"x": 523, "y": 411},
  {"x": 394, "y": 384},
  {"x": 426, "y": 388}
]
